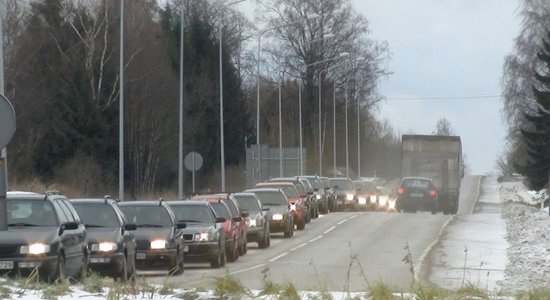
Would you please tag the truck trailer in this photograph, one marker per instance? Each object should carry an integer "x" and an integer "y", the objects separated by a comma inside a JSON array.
[{"x": 436, "y": 157}]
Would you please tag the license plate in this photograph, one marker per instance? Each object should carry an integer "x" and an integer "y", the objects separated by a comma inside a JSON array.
[
  {"x": 6, "y": 265},
  {"x": 185, "y": 248},
  {"x": 140, "y": 255},
  {"x": 417, "y": 195}
]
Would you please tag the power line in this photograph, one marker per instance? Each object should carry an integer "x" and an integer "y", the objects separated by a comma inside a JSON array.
[{"x": 435, "y": 99}]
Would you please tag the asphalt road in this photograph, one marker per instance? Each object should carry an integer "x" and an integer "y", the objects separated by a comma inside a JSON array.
[{"x": 339, "y": 251}]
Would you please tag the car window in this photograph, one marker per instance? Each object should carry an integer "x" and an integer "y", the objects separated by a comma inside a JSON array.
[
  {"x": 147, "y": 215},
  {"x": 416, "y": 183},
  {"x": 232, "y": 207},
  {"x": 72, "y": 211},
  {"x": 34, "y": 212},
  {"x": 248, "y": 203},
  {"x": 271, "y": 198},
  {"x": 315, "y": 183},
  {"x": 193, "y": 213},
  {"x": 221, "y": 210},
  {"x": 342, "y": 184},
  {"x": 97, "y": 214},
  {"x": 63, "y": 215}
]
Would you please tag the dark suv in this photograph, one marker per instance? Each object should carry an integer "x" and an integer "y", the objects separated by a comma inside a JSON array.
[
  {"x": 416, "y": 193},
  {"x": 44, "y": 232},
  {"x": 110, "y": 239},
  {"x": 282, "y": 219},
  {"x": 258, "y": 219},
  {"x": 159, "y": 239}
]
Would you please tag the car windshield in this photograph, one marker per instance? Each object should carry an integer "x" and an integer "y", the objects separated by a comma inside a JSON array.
[
  {"x": 271, "y": 198},
  {"x": 97, "y": 214},
  {"x": 289, "y": 190},
  {"x": 147, "y": 215},
  {"x": 31, "y": 213},
  {"x": 315, "y": 183},
  {"x": 232, "y": 207},
  {"x": 416, "y": 183},
  {"x": 192, "y": 213},
  {"x": 365, "y": 186},
  {"x": 248, "y": 203},
  {"x": 342, "y": 184},
  {"x": 221, "y": 210}
]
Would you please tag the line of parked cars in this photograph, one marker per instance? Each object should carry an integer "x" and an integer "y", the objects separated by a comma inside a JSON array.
[{"x": 63, "y": 237}]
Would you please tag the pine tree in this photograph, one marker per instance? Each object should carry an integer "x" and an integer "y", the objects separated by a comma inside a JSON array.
[{"x": 537, "y": 135}]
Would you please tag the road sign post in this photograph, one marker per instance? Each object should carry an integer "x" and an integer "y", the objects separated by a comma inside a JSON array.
[
  {"x": 193, "y": 162},
  {"x": 7, "y": 129}
]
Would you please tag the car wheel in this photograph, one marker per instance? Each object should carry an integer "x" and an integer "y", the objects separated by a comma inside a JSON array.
[
  {"x": 60, "y": 269},
  {"x": 301, "y": 225},
  {"x": 178, "y": 267},
  {"x": 216, "y": 261},
  {"x": 124, "y": 272},
  {"x": 245, "y": 245},
  {"x": 262, "y": 242},
  {"x": 83, "y": 273},
  {"x": 289, "y": 230},
  {"x": 232, "y": 254},
  {"x": 223, "y": 254},
  {"x": 131, "y": 268}
]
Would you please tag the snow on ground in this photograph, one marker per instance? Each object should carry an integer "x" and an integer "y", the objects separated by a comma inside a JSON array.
[
  {"x": 472, "y": 249},
  {"x": 528, "y": 237}
]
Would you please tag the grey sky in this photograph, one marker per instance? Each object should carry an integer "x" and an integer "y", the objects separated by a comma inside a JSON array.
[{"x": 452, "y": 50}]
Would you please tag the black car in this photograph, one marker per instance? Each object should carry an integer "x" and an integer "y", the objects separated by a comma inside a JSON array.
[
  {"x": 159, "y": 238},
  {"x": 319, "y": 192},
  {"x": 110, "y": 239},
  {"x": 281, "y": 215},
  {"x": 44, "y": 232},
  {"x": 305, "y": 194},
  {"x": 416, "y": 193},
  {"x": 345, "y": 193},
  {"x": 204, "y": 235},
  {"x": 258, "y": 218}
]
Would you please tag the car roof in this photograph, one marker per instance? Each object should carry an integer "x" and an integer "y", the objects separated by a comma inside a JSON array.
[
  {"x": 188, "y": 202},
  {"x": 274, "y": 183},
  {"x": 34, "y": 196},
  {"x": 244, "y": 194},
  {"x": 92, "y": 200},
  {"x": 272, "y": 190},
  {"x": 210, "y": 196},
  {"x": 413, "y": 177},
  {"x": 142, "y": 202}
]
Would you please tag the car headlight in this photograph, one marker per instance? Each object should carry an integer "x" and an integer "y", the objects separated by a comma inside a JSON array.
[
  {"x": 362, "y": 200},
  {"x": 350, "y": 197},
  {"x": 35, "y": 249},
  {"x": 104, "y": 247},
  {"x": 391, "y": 204},
  {"x": 318, "y": 197},
  {"x": 372, "y": 200},
  {"x": 158, "y": 244},
  {"x": 277, "y": 217},
  {"x": 292, "y": 207},
  {"x": 382, "y": 201},
  {"x": 252, "y": 223},
  {"x": 201, "y": 237}
]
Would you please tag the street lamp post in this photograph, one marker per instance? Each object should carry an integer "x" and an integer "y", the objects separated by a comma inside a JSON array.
[
  {"x": 222, "y": 143},
  {"x": 121, "y": 108},
  {"x": 310, "y": 17},
  {"x": 180, "y": 143},
  {"x": 281, "y": 172}
]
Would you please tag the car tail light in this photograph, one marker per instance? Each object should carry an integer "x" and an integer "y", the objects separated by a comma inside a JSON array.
[
  {"x": 433, "y": 193},
  {"x": 401, "y": 191}
]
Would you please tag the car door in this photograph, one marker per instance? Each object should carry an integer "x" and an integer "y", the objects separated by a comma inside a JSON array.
[{"x": 70, "y": 239}]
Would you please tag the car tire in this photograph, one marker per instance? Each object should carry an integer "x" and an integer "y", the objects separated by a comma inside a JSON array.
[
  {"x": 131, "y": 269},
  {"x": 83, "y": 273},
  {"x": 223, "y": 254},
  {"x": 301, "y": 225},
  {"x": 233, "y": 254},
  {"x": 60, "y": 268},
  {"x": 216, "y": 261},
  {"x": 178, "y": 267},
  {"x": 289, "y": 230},
  {"x": 124, "y": 272},
  {"x": 262, "y": 242}
]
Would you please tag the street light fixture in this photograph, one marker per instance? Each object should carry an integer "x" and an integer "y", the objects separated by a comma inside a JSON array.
[{"x": 310, "y": 17}]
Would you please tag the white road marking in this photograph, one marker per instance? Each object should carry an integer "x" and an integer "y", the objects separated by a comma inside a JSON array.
[
  {"x": 329, "y": 230},
  {"x": 247, "y": 269},
  {"x": 353, "y": 217},
  {"x": 313, "y": 240},
  {"x": 298, "y": 247},
  {"x": 342, "y": 222},
  {"x": 278, "y": 256}
]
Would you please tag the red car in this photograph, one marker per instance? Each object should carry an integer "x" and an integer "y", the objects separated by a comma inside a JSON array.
[
  {"x": 234, "y": 240},
  {"x": 294, "y": 200}
]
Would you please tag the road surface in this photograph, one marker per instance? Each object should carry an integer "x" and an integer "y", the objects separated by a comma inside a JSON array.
[{"x": 339, "y": 251}]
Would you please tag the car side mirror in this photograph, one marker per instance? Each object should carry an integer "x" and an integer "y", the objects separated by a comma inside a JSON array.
[
  {"x": 130, "y": 226},
  {"x": 220, "y": 220},
  {"x": 237, "y": 219},
  {"x": 303, "y": 195},
  {"x": 359, "y": 190},
  {"x": 265, "y": 209},
  {"x": 310, "y": 193},
  {"x": 336, "y": 187},
  {"x": 68, "y": 226},
  {"x": 316, "y": 189},
  {"x": 181, "y": 225},
  {"x": 245, "y": 214}
]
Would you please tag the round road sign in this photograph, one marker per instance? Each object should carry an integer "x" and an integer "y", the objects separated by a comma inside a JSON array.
[
  {"x": 193, "y": 161},
  {"x": 7, "y": 121}
]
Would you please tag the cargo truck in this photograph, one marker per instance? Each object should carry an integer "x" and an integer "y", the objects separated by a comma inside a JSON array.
[{"x": 436, "y": 157}]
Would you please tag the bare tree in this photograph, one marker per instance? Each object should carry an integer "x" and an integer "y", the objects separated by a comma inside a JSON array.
[{"x": 443, "y": 127}]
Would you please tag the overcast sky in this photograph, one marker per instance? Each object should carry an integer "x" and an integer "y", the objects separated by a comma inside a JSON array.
[{"x": 447, "y": 57}]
